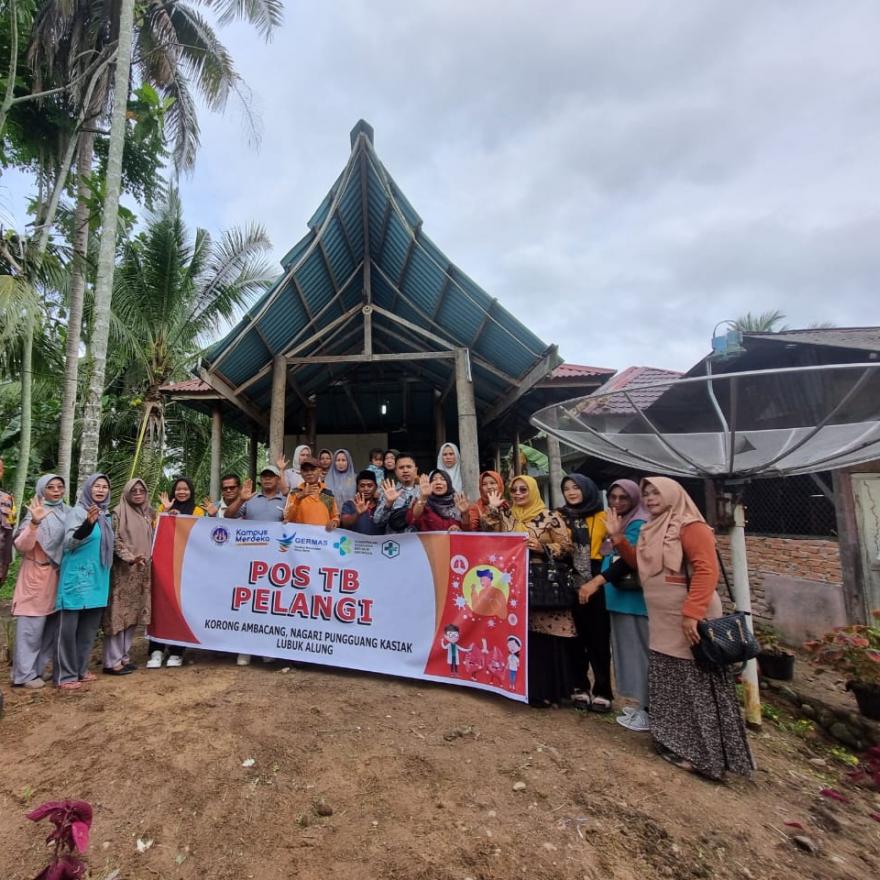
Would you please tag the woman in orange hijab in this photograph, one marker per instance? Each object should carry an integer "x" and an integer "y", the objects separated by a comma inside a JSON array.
[{"x": 471, "y": 521}]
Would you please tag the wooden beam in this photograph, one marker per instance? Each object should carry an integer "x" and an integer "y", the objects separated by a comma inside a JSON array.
[
  {"x": 506, "y": 401},
  {"x": 854, "y": 586},
  {"x": 222, "y": 387},
  {"x": 385, "y": 220},
  {"x": 372, "y": 358},
  {"x": 468, "y": 443}
]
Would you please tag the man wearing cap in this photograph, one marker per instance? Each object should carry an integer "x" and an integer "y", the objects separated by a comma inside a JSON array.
[
  {"x": 311, "y": 503},
  {"x": 357, "y": 515},
  {"x": 267, "y": 505}
]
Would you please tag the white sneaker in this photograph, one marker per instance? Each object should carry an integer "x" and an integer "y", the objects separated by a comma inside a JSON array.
[
  {"x": 243, "y": 660},
  {"x": 174, "y": 660},
  {"x": 627, "y": 710},
  {"x": 638, "y": 722},
  {"x": 155, "y": 660}
]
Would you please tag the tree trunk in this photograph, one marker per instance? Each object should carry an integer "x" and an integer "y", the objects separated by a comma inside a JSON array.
[
  {"x": 9, "y": 95},
  {"x": 88, "y": 459},
  {"x": 27, "y": 384},
  {"x": 75, "y": 305}
]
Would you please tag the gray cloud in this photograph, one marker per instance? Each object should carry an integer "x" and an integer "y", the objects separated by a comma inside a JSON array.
[{"x": 647, "y": 169}]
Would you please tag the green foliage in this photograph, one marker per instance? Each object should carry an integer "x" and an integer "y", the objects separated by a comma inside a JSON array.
[{"x": 765, "y": 322}]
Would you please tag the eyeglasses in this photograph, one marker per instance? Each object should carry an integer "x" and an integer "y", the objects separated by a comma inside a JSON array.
[{"x": 519, "y": 490}]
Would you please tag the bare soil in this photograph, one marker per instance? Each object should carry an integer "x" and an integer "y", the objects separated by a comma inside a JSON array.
[{"x": 413, "y": 781}]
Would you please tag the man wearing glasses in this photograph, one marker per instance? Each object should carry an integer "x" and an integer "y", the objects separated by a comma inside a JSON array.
[{"x": 230, "y": 490}]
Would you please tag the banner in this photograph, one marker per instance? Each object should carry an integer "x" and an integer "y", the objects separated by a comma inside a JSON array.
[{"x": 440, "y": 606}]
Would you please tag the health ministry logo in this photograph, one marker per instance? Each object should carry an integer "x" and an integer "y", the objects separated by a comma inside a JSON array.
[
  {"x": 391, "y": 549},
  {"x": 343, "y": 545}
]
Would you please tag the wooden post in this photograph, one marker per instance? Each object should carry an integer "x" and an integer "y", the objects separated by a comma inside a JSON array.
[
  {"x": 517, "y": 464},
  {"x": 276, "y": 409},
  {"x": 216, "y": 446},
  {"x": 252, "y": 455},
  {"x": 854, "y": 593},
  {"x": 497, "y": 458},
  {"x": 554, "y": 453},
  {"x": 312, "y": 425},
  {"x": 439, "y": 420},
  {"x": 467, "y": 424}
]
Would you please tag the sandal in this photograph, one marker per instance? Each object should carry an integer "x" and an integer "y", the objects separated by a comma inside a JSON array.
[
  {"x": 676, "y": 761},
  {"x": 70, "y": 685},
  {"x": 581, "y": 699},
  {"x": 89, "y": 676},
  {"x": 123, "y": 670},
  {"x": 600, "y": 705}
]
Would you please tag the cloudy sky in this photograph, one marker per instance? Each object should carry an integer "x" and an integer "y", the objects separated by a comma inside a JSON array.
[{"x": 621, "y": 176}]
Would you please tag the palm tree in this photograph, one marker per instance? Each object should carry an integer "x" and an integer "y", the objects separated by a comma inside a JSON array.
[
  {"x": 174, "y": 49},
  {"x": 766, "y": 322},
  {"x": 172, "y": 292}
]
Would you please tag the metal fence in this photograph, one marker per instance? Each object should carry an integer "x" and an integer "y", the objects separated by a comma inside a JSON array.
[{"x": 791, "y": 506}]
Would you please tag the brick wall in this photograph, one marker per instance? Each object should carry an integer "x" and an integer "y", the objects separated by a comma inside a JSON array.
[{"x": 814, "y": 559}]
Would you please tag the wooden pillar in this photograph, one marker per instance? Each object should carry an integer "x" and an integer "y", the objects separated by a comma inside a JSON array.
[
  {"x": 517, "y": 464},
  {"x": 216, "y": 448},
  {"x": 277, "y": 406},
  {"x": 854, "y": 592},
  {"x": 554, "y": 453},
  {"x": 439, "y": 420},
  {"x": 467, "y": 424},
  {"x": 497, "y": 458},
  {"x": 312, "y": 425},
  {"x": 252, "y": 455}
]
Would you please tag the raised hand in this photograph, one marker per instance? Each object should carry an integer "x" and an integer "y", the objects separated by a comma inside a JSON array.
[
  {"x": 311, "y": 488},
  {"x": 494, "y": 498},
  {"x": 425, "y": 486},
  {"x": 390, "y": 490},
  {"x": 211, "y": 508},
  {"x": 613, "y": 523},
  {"x": 247, "y": 490},
  {"x": 281, "y": 462},
  {"x": 360, "y": 503},
  {"x": 38, "y": 512},
  {"x": 165, "y": 501},
  {"x": 461, "y": 502},
  {"x": 93, "y": 514}
]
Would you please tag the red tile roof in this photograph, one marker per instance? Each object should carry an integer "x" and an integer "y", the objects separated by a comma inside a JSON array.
[
  {"x": 187, "y": 386},
  {"x": 631, "y": 379},
  {"x": 579, "y": 371}
]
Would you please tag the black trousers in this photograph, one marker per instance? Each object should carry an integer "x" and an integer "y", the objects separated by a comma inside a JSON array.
[
  {"x": 173, "y": 650},
  {"x": 594, "y": 638}
]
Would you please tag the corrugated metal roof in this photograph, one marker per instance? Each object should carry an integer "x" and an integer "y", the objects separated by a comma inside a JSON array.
[
  {"x": 366, "y": 221},
  {"x": 864, "y": 338}
]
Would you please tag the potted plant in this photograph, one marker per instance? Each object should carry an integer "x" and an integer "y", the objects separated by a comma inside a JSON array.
[
  {"x": 775, "y": 660},
  {"x": 854, "y": 651}
]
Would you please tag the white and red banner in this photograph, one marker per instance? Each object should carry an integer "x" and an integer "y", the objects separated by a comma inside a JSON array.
[{"x": 448, "y": 607}]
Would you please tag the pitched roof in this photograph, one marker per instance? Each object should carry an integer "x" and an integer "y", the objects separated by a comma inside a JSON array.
[
  {"x": 366, "y": 260},
  {"x": 579, "y": 371},
  {"x": 633, "y": 379},
  {"x": 864, "y": 338}
]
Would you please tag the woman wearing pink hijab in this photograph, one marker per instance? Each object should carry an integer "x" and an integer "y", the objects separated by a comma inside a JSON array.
[{"x": 695, "y": 716}]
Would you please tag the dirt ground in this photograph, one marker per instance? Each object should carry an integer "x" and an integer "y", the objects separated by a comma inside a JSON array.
[{"x": 416, "y": 781}]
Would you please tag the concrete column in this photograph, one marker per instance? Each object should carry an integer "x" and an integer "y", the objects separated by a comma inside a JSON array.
[
  {"x": 467, "y": 424},
  {"x": 252, "y": 456},
  {"x": 439, "y": 421},
  {"x": 555, "y": 455},
  {"x": 277, "y": 406},
  {"x": 216, "y": 447}
]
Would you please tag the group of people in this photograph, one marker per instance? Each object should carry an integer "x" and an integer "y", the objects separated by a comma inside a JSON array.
[{"x": 646, "y": 567}]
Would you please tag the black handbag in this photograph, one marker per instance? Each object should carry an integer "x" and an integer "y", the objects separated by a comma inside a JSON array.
[
  {"x": 725, "y": 640},
  {"x": 629, "y": 582},
  {"x": 551, "y": 584}
]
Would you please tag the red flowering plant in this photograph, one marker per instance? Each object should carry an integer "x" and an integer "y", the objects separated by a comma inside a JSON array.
[
  {"x": 72, "y": 821},
  {"x": 852, "y": 650}
]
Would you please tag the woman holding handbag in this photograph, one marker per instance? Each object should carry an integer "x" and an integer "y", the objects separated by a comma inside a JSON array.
[
  {"x": 553, "y": 648},
  {"x": 626, "y": 606},
  {"x": 695, "y": 717}
]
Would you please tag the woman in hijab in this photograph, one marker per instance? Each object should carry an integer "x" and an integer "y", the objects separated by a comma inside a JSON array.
[
  {"x": 695, "y": 717},
  {"x": 449, "y": 460},
  {"x": 40, "y": 541},
  {"x": 626, "y": 608},
  {"x": 584, "y": 514},
  {"x": 553, "y": 650},
  {"x": 84, "y": 582},
  {"x": 435, "y": 510},
  {"x": 325, "y": 462},
  {"x": 490, "y": 481},
  {"x": 133, "y": 520},
  {"x": 292, "y": 476},
  {"x": 182, "y": 499},
  {"x": 342, "y": 478}
]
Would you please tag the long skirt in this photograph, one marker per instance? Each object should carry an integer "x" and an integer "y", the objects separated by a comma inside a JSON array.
[
  {"x": 553, "y": 667},
  {"x": 696, "y": 716},
  {"x": 629, "y": 641}
]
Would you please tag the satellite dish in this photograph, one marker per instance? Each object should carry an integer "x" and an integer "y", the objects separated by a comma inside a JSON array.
[{"x": 731, "y": 427}]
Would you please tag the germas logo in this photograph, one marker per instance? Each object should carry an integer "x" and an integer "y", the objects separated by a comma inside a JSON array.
[
  {"x": 285, "y": 541},
  {"x": 343, "y": 545}
]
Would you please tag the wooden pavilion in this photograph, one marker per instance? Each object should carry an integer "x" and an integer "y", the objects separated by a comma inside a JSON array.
[{"x": 372, "y": 336}]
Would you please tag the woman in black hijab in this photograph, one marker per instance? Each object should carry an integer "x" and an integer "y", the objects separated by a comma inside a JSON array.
[{"x": 584, "y": 514}]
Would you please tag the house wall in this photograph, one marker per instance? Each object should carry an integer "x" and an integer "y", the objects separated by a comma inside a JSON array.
[{"x": 796, "y": 583}]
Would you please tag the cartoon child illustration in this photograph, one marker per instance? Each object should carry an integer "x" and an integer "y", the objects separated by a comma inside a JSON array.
[
  {"x": 514, "y": 646},
  {"x": 449, "y": 642},
  {"x": 487, "y": 599}
]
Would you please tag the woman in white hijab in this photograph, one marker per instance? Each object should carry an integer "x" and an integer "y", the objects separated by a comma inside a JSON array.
[
  {"x": 292, "y": 477},
  {"x": 449, "y": 460}
]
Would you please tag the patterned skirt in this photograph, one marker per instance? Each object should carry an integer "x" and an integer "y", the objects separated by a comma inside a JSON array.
[{"x": 695, "y": 715}]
